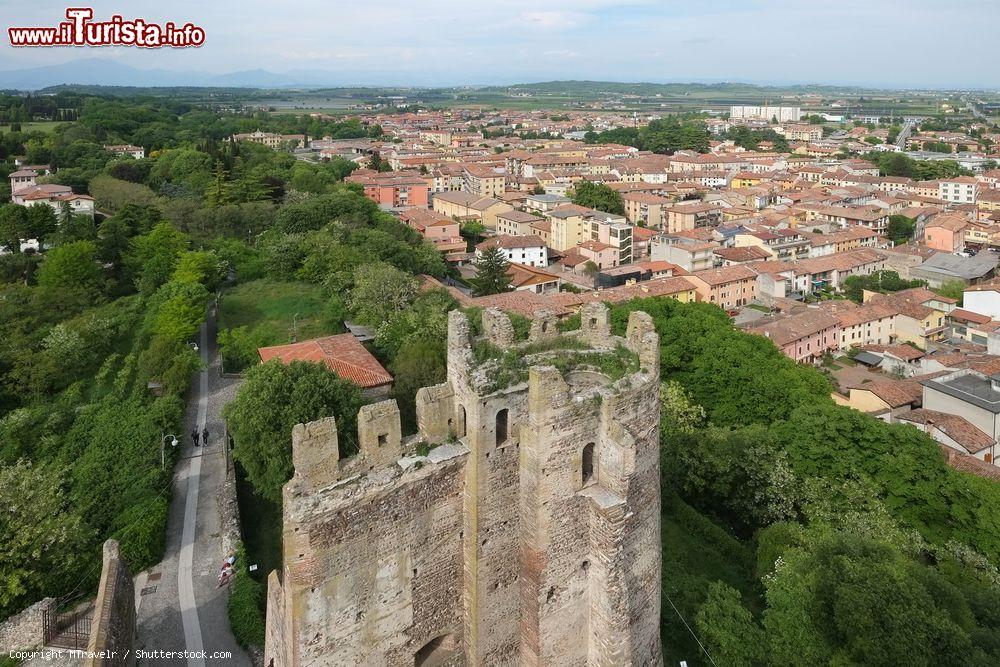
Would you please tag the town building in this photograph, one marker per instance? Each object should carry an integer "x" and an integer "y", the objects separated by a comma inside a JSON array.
[
  {"x": 728, "y": 287},
  {"x": 766, "y": 112},
  {"x": 343, "y": 355},
  {"x": 528, "y": 250},
  {"x": 137, "y": 152},
  {"x": 393, "y": 189}
]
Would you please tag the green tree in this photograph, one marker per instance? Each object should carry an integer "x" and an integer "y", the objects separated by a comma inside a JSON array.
[
  {"x": 178, "y": 309},
  {"x": 273, "y": 399},
  {"x": 900, "y": 228},
  {"x": 70, "y": 277},
  {"x": 727, "y": 628},
  {"x": 153, "y": 256},
  {"x": 421, "y": 362},
  {"x": 848, "y": 599},
  {"x": 217, "y": 193},
  {"x": 491, "y": 272},
  {"x": 380, "y": 291},
  {"x": 599, "y": 196},
  {"x": 41, "y": 537},
  {"x": 199, "y": 266},
  {"x": 13, "y": 226}
]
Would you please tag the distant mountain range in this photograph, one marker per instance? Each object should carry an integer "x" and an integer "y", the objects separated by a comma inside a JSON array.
[{"x": 103, "y": 72}]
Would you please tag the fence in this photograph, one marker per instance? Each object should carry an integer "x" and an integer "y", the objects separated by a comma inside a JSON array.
[{"x": 67, "y": 630}]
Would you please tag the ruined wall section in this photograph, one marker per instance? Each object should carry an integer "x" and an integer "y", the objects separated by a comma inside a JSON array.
[
  {"x": 554, "y": 536},
  {"x": 493, "y": 428},
  {"x": 27, "y": 628},
  {"x": 373, "y": 567},
  {"x": 113, "y": 629},
  {"x": 590, "y": 531},
  {"x": 279, "y": 635},
  {"x": 501, "y": 546}
]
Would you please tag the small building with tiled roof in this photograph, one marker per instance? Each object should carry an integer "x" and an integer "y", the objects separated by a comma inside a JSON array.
[
  {"x": 954, "y": 431},
  {"x": 889, "y": 397},
  {"x": 342, "y": 354},
  {"x": 740, "y": 254},
  {"x": 526, "y": 250}
]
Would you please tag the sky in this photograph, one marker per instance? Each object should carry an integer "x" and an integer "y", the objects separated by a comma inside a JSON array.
[{"x": 912, "y": 43}]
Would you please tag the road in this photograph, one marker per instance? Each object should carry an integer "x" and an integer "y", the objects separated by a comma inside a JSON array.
[
  {"x": 179, "y": 606},
  {"x": 904, "y": 134},
  {"x": 977, "y": 113}
]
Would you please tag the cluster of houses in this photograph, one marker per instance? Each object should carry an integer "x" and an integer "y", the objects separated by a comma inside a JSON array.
[
  {"x": 771, "y": 237},
  {"x": 745, "y": 226},
  {"x": 25, "y": 189}
]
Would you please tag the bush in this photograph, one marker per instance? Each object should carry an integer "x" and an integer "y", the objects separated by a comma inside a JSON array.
[
  {"x": 143, "y": 532},
  {"x": 246, "y": 602},
  {"x": 238, "y": 349}
]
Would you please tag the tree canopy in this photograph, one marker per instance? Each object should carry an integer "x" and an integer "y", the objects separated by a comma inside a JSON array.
[
  {"x": 598, "y": 196},
  {"x": 273, "y": 399}
]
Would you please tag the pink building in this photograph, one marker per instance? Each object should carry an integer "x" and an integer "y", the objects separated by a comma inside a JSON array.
[
  {"x": 946, "y": 232},
  {"x": 394, "y": 188},
  {"x": 603, "y": 255},
  {"x": 439, "y": 229},
  {"x": 803, "y": 337}
]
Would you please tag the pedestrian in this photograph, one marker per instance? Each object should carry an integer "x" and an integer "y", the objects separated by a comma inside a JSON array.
[
  {"x": 194, "y": 436},
  {"x": 204, "y": 434},
  {"x": 226, "y": 575}
]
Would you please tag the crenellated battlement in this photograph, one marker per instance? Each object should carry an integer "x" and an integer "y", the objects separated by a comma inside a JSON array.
[
  {"x": 522, "y": 515},
  {"x": 483, "y": 365}
]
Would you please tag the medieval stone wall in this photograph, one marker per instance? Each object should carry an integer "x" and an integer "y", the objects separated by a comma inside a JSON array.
[{"x": 527, "y": 535}]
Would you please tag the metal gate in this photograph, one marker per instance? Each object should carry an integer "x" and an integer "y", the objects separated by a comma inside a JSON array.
[{"x": 67, "y": 630}]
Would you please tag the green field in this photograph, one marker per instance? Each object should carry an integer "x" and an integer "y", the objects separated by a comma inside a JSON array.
[
  {"x": 272, "y": 310},
  {"x": 40, "y": 126}
]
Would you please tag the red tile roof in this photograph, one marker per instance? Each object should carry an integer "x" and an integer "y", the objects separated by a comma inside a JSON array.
[{"x": 342, "y": 354}]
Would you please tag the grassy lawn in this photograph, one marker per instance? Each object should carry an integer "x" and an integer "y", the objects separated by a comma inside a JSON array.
[
  {"x": 270, "y": 310},
  {"x": 41, "y": 126}
]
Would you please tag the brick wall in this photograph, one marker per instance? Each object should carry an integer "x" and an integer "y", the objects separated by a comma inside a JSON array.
[{"x": 113, "y": 629}]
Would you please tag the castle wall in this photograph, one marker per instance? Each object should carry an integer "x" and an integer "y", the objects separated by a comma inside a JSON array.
[
  {"x": 529, "y": 536},
  {"x": 490, "y": 499},
  {"x": 113, "y": 629},
  {"x": 375, "y": 573}
]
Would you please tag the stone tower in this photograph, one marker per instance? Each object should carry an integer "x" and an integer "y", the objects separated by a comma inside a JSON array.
[{"x": 519, "y": 526}]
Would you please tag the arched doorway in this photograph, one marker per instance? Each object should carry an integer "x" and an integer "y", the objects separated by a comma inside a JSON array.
[{"x": 435, "y": 652}]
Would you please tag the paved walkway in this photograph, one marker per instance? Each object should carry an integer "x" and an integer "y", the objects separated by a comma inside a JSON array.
[{"x": 182, "y": 609}]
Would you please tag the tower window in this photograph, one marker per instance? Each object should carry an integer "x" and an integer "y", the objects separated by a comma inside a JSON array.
[
  {"x": 501, "y": 426},
  {"x": 588, "y": 463}
]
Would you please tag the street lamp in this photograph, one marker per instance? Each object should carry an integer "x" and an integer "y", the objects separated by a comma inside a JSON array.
[{"x": 172, "y": 439}]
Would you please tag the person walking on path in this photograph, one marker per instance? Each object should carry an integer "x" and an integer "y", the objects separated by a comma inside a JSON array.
[
  {"x": 194, "y": 436},
  {"x": 204, "y": 434}
]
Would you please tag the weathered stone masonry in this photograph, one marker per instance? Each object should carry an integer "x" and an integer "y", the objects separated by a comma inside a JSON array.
[{"x": 519, "y": 526}]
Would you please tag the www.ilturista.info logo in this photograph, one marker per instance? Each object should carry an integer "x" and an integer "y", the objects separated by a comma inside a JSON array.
[{"x": 81, "y": 30}]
